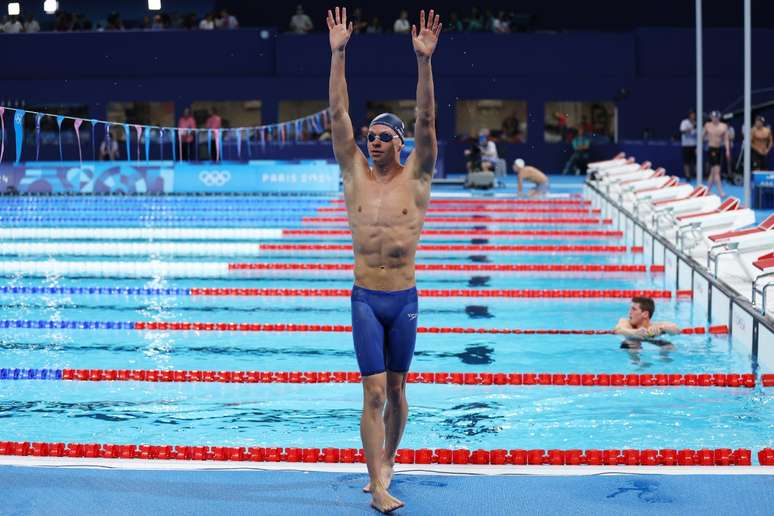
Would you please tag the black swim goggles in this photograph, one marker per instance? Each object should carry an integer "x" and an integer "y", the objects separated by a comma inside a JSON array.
[{"x": 384, "y": 137}]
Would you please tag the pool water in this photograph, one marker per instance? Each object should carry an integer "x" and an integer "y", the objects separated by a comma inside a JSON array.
[{"x": 328, "y": 415}]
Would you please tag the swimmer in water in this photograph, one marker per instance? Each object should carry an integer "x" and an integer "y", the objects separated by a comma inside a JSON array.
[
  {"x": 639, "y": 327},
  {"x": 386, "y": 205},
  {"x": 533, "y": 175}
]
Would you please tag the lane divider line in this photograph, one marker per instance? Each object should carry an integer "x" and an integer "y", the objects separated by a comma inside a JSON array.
[
  {"x": 471, "y": 233},
  {"x": 516, "y": 457},
  {"x": 294, "y": 327},
  {"x": 445, "y": 267},
  {"x": 734, "y": 380},
  {"x": 548, "y": 221},
  {"x": 482, "y": 209},
  {"x": 308, "y": 292}
]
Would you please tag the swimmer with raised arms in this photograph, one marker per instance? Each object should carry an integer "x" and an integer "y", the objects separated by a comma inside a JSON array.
[{"x": 386, "y": 205}]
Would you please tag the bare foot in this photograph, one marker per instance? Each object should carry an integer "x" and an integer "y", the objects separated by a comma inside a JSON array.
[
  {"x": 385, "y": 475},
  {"x": 384, "y": 502}
]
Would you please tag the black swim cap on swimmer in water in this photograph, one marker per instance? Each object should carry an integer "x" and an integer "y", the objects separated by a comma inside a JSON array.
[{"x": 391, "y": 121}]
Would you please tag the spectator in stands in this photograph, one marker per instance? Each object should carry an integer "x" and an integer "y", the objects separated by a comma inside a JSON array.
[
  {"x": 300, "y": 23},
  {"x": 454, "y": 24},
  {"x": 189, "y": 21},
  {"x": 207, "y": 23},
  {"x": 761, "y": 143},
  {"x": 501, "y": 23},
  {"x": 113, "y": 22},
  {"x": 185, "y": 125},
  {"x": 359, "y": 23},
  {"x": 363, "y": 136},
  {"x": 473, "y": 158},
  {"x": 586, "y": 125},
  {"x": 13, "y": 25},
  {"x": 158, "y": 23},
  {"x": 375, "y": 27},
  {"x": 580, "y": 156},
  {"x": 213, "y": 122},
  {"x": 31, "y": 25},
  {"x": 108, "y": 149},
  {"x": 402, "y": 25},
  {"x": 475, "y": 23},
  {"x": 226, "y": 21}
]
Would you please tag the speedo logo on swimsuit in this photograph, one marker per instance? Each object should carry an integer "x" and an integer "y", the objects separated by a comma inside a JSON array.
[{"x": 412, "y": 316}]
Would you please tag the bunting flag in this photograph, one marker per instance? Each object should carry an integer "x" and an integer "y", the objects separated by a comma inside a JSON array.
[
  {"x": 38, "y": 117},
  {"x": 147, "y": 143},
  {"x": 18, "y": 126},
  {"x": 2, "y": 129},
  {"x": 128, "y": 136},
  {"x": 59, "y": 120},
  {"x": 77, "y": 124},
  {"x": 280, "y": 133},
  {"x": 93, "y": 139},
  {"x": 138, "y": 130}
]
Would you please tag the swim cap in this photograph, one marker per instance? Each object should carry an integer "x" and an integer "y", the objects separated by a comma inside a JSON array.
[
  {"x": 761, "y": 118},
  {"x": 519, "y": 163},
  {"x": 715, "y": 114},
  {"x": 391, "y": 121}
]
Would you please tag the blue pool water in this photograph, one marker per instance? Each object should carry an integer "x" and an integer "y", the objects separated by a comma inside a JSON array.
[{"x": 327, "y": 415}]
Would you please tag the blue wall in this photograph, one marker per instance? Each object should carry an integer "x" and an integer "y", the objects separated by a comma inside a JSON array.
[{"x": 655, "y": 66}]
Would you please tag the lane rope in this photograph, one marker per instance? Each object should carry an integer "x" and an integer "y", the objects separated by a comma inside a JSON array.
[
  {"x": 307, "y": 292},
  {"x": 733, "y": 380},
  {"x": 496, "y": 457},
  {"x": 298, "y": 327}
]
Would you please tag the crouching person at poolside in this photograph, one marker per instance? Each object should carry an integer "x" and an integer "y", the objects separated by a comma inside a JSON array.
[{"x": 639, "y": 327}]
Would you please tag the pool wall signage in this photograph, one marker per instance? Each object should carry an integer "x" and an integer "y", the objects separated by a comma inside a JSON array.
[
  {"x": 158, "y": 177},
  {"x": 751, "y": 332}
]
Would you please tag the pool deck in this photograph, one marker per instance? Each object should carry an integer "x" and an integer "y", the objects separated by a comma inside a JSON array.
[{"x": 81, "y": 491}]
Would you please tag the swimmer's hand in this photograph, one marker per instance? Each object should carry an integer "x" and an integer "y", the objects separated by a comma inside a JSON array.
[
  {"x": 339, "y": 31},
  {"x": 427, "y": 39}
]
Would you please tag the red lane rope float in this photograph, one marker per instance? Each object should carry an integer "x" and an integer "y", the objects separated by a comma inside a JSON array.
[
  {"x": 468, "y": 247},
  {"x": 767, "y": 380},
  {"x": 483, "y": 209},
  {"x": 515, "y": 293},
  {"x": 299, "y": 327},
  {"x": 554, "y": 379},
  {"x": 466, "y": 267},
  {"x": 548, "y": 221},
  {"x": 470, "y": 232},
  {"x": 497, "y": 457},
  {"x": 515, "y": 202}
]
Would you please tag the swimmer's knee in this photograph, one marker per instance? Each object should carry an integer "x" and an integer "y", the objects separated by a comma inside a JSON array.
[
  {"x": 396, "y": 391},
  {"x": 374, "y": 395}
]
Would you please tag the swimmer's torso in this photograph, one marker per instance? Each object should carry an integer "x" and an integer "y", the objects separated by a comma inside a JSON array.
[
  {"x": 386, "y": 218},
  {"x": 533, "y": 175},
  {"x": 760, "y": 139},
  {"x": 715, "y": 133}
]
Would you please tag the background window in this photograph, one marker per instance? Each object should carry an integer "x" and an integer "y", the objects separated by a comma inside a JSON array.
[
  {"x": 506, "y": 120},
  {"x": 564, "y": 119},
  {"x": 144, "y": 113},
  {"x": 233, "y": 113},
  {"x": 293, "y": 109}
]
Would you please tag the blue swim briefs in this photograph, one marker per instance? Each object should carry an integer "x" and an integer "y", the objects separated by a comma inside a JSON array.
[{"x": 384, "y": 328}]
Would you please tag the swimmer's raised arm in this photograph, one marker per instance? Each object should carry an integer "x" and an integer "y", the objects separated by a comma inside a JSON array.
[
  {"x": 426, "y": 147},
  {"x": 343, "y": 136}
]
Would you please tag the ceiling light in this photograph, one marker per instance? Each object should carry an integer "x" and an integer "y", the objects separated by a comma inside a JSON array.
[
  {"x": 50, "y": 6},
  {"x": 154, "y": 5},
  {"x": 13, "y": 9}
]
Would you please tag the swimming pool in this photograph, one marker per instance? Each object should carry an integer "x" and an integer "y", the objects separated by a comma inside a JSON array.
[{"x": 72, "y": 295}]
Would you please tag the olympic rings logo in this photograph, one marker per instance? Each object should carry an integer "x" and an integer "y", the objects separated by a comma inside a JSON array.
[{"x": 214, "y": 177}]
